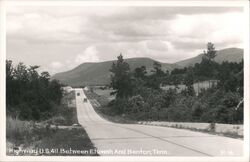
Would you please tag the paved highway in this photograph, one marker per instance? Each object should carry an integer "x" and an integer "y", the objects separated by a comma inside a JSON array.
[{"x": 134, "y": 139}]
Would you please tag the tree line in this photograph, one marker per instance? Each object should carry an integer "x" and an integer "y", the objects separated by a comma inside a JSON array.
[
  {"x": 139, "y": 95},
  {"x": 30, "y": 95}
]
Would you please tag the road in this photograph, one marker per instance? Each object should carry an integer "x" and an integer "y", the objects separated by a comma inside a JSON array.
[{"x": 134, "y": 139}]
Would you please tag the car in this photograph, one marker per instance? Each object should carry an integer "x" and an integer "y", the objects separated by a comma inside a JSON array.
[
  {"x": 85, "y": 100},
  {"x": 76, "y": 125}
]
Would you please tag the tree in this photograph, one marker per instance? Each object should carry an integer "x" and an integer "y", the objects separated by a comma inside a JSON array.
[
  {"x": 21, "y": 73},
  {"x": 189, "y": 81},
  {"x": 157, "y": 69},
  {"x": 139, "y": 77},
  {"x": 207, "y": 67},
  {"x": 45, "y": 77},
  {"x": 9, "y": 70},
  {"x": 9, "y": 82},
  {"x": 55, "y": 91},
  {"x": 121, "y": 78},
  {"x": 231, "y": 76},
  {"x": 140, "y": 72},
  {"x": 30, "y": 95},
  {"x": 155, "y": 79},
  {"x": 210, "y": 54}
]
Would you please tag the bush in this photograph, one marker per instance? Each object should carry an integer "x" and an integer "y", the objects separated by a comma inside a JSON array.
[
  {"x": 180, "y": 112},
  {"x": 220, "y": 106},
  {"x": 118, "y": 106},
  {"x": 135, "y": 105},
  {"x": 197, "y": 111}
]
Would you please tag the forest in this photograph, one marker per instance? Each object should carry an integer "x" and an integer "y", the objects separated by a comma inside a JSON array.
[
  {"x": 30, "y": 95},
  {"x": 139, "y": 95}
]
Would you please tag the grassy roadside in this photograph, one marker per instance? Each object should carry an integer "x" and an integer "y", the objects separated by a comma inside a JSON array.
[
  {"x": 53, "y": 137},
  {"x": 102, "y": 108}
]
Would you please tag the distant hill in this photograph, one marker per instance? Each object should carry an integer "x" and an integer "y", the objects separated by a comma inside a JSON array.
[
  {"x": 228, "y": 54},
  {"x": 98, "y": 73}
]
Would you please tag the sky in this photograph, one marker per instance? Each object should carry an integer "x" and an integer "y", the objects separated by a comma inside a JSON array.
[{"x": 59, "y": 38}]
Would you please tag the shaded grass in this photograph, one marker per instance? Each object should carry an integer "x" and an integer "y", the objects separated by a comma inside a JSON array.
[
  {"x": 18, "y": 131},
  {"x": 104, "y": 110},
  {"x": 101, "y": 99},
  {"x": 115, "y": 118},
  {"x": 66, "y": 139},
  {"x": 65, "y": 116}
]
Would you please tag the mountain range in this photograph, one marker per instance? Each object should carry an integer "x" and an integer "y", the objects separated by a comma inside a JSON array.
[
  {"x": 97, "y": 73},
  {"x": 228, "y": 54}
]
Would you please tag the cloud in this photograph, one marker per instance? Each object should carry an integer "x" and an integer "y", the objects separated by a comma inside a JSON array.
[
  {"x": 56, "y": 65},
  {"x": 130, "y": 14},
  {"x": 157, "y": 45},
  {"x": 188, "y": 33},
  {"x": 162, "y": 50},
  {"x": 43, "y": 27},
  {"x": 53, "y": 67},
  {"x": 93, "y": 24},
  {"x": 90, "y": 54},
  {"x": 77, "y": 34}
]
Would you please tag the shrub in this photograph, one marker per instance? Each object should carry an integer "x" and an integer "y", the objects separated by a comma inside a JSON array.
[
  {"x": 135, "y": 105},
  {"x": 197, "y": 110},
  {"x": 118, "y": 106}
]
